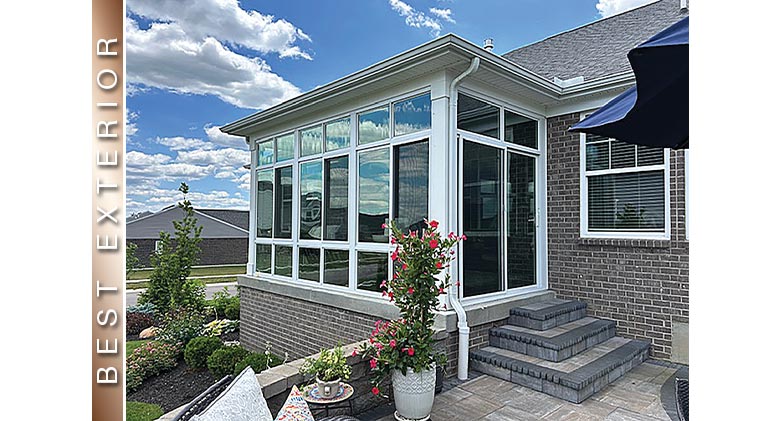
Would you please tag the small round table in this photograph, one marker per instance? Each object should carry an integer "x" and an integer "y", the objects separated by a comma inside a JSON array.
[{"x": 343, "y": 400}]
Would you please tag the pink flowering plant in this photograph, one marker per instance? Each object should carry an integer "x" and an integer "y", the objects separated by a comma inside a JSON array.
[{"x": 407, "y": 343}]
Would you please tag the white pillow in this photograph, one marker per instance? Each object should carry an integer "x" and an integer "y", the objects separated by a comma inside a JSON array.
[{"x": 241, "y": 401}]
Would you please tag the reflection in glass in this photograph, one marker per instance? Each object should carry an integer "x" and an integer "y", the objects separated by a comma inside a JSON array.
[
  {"x": 372, "y": 270},
  {"x": 520, "y": 130},
  {"x": 265, "y": 153},
  {"x": 337, "y": 267},
  {"x": 265, "y": 202},
  {"x": 285, "y": 147},
  {"x": 521, "y": 223},
  {"x": 311, "y": 141},
  {"x": 309, "y": 264},
  {"x": 263, "y": 258},
  {"x": 283, "y": 261},
  {"x": 626, "y": 202},
  {"x": 477, "y": 116},
  {"x": 337, "y": 134},
  {"x": 336, "y": 198},
  {"x": 373, "y": 195},
  {"x": 481, "y": 219},
  {"x": 411, "y": 186},
  {"x": 373, "y": 125},
  {"x": 283, "y": 203},
  {"x": 412, "y": 115},
  {"x": 623, "y": 155},
  {"x": 311, "y": 200}
]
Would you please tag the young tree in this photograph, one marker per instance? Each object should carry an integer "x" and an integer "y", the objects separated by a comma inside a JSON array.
[
  {"x": 168, "y": 284},
  {"x": 132, "y": 262}
]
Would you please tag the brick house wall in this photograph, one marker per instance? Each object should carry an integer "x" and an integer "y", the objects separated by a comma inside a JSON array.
[
  {"x": 214, "y": 251},
  {"x": 641, "y": 284}
]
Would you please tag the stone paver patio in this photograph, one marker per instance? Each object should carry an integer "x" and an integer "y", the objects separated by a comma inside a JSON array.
[{"x": 636, "y": 397}]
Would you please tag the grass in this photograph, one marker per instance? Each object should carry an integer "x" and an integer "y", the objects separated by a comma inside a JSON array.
[
  {"x": 139, "y": 411},
  {"x": 132, "y": 345},
  {"x": 204, "y": 271},
  {"x": 139, "y": 285}
]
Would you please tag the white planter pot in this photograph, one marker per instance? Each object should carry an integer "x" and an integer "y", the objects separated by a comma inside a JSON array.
[
  {"x": 328, "y": 390},
  {"x": 413, "y": 393}
]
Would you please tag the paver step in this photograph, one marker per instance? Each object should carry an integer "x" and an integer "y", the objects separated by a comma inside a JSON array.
[
  {"x": 556, "y": 344},
  {"x": 573, "y": 380},
  {"x": 547, "y": 314}
]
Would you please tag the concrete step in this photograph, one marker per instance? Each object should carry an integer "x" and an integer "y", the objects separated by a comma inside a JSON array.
[
  {"x": 547, "y": 314},
  {"x": 575, "y": 379},
  {"x": 556, "y": 344}
]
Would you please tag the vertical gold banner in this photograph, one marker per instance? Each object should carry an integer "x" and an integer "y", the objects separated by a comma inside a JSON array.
[{"x": 108, "y": 202}]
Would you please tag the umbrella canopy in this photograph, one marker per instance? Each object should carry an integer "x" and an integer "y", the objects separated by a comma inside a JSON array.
[{"x": 655, "y": 111}]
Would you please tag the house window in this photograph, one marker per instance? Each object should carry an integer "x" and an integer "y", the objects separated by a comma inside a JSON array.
[
  {"x": 478, "y": 116},
  {"x": 337, "y": 267},
  {"x": 265, "y": 203},
  {"x": 283, "y": 261},
  {"x": 311, "y": 200},
  {"x": 311, "y": 141},
  {"x": 337, "y": 134},
  {"x": 374, "y": 125},
  {"x": 336, "y": 199},
  {"x": 285, "y": 147},
  {"x": 412, "y": 115},
  {"x": 157, "y": 246},
  {"x": 283, "y": 203},
  {"x": 265, "y": 153},
  {"x": 410, "y": 186},
  {"x": 372, "y": 270},
  {"x": 624, "y": 189},
  {"x": 309, "y": 264},
  {"x": 373, "y": 195},
  {"x": 263, "y": 258}
]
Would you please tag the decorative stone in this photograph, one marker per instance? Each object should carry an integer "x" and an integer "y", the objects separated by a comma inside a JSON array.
[{"x": 149, "y": 332}]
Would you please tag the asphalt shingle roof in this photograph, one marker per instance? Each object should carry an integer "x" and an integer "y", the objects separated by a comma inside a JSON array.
[
  {"x": 239, "y": 218},
  {"x": 598, "y": 49}
]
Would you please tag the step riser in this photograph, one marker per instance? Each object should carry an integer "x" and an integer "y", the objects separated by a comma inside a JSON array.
[
  {"x": 549, "y": 354},
  {"x": 559, "y": 390},
  {"x": 561, "y": 319}
]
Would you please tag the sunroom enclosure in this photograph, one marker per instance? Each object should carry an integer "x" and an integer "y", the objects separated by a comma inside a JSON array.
[{"x": 322, "y": 189}]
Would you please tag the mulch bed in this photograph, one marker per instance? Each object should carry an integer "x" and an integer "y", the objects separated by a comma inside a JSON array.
[{"x": 174, "y": 388}]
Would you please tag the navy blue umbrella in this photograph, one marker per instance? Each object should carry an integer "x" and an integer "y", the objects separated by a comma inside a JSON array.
[{"x": 654, "y": 112}]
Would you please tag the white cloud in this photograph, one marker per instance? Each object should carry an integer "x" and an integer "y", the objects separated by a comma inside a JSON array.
[
  {"x": 179, "y": 143},
  {"x": 154, "y": 199},
  {"x": 443, "y": 14},
  {"x": 226, "y": 21},
  {"x": 612, "y": 7},
  {"x": 224, "y": 139},
  {"x": 415, "y": 18}
]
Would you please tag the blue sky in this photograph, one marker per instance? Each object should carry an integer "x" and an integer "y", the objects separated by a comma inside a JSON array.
[{"x": 191, "y": 69}]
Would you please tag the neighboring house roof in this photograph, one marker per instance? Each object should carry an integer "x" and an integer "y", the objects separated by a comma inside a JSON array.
[
  {"x": 598, "y": 49},
  {"x": 217, "y": 223}
]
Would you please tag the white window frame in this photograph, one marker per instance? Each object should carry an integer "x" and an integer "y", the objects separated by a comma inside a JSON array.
[{"x": 630, "y": 235}]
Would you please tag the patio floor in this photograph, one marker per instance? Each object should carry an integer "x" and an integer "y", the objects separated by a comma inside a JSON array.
[{"x": 636, "y": 396}]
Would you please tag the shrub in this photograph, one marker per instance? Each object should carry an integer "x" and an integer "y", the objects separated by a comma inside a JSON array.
[
  {"x": 232, "y": 311},
  {"x": 150, "y": 360},
  {"x": 147, "y": 308},
  {"x": 180, "y": 326},
  {"x": 258, "y": 361},
  {"x": 220, "y": 302},
  {"x": 219, "y": 327},
  {"x": 330, "y": 365},
  {"x": 222, "y": 362},
  {"x": 136, "y": 322},
  {"x": 199, "y": 349}
]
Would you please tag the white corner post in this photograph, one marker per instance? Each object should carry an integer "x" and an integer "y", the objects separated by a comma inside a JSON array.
[
  {"x": 452, "y": 221},
  {"x": 250, "y": 263}
]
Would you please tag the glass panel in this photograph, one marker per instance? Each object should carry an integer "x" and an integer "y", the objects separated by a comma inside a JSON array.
[
  {"x": 374, "y": 125},
  {"x": 477, "y": 116},
  {"x": 283, "y": 261},
  {"x": 481, "y": 219},
  {"x": 337, "y": 267},
  {"x": 283, "y": 203},
  {"x": 593, "y": 138},
  {"x": 520, "y": 130},
  {"x": 411, "y": 186},
  {"x": 309, "y": 264},
  {"x": 265, "y": 203},
  {"x": 337, "y": 134},
  {"x": 597, "y": 156},
  {"x": 311, "y": 141},
  {"x": 373, "y": 195},
  {"x": 412, "y": 115},
  {"x": 650, "y": 156},
  {"x": 311, "y": 200},
  {"x": 623, "y": 155},
  {"x": 336, "y": 198},
  {"x": 285, "y": 147},
  {"x": 372, "y": 270},
  {"x": 521, "y": 221},
  {"x": 265, "y": 153},
  {"x": 628, "y": 202},
  {"x": 263, "y": 258}
]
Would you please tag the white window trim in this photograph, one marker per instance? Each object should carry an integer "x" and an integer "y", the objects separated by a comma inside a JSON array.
[{"x": 629, "y": 235}]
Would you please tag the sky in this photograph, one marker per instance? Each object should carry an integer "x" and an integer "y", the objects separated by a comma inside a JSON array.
[{"x": 193, "y": 68}]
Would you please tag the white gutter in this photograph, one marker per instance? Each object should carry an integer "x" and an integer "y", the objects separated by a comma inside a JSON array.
[{"x": 452, "y": 292}]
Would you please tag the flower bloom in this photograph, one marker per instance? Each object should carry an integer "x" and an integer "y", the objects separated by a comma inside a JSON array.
[
  {"x": 433, "y": 244},
  {"x": 404, "y": 266},
  {"x": 433, "y": 224},
  {"x": 452, "y": 235},
  {"x": 439, "y": 265},
  {"x": 373, "y": 364},
  {"x": 375, "y": 390},
  {"x": 463, "y": 237},
  {"x": 410, "y": 351},
  {"x": 392, "y": 343},
  {"x": 411, "y": 290},
  {"x": 378, "y": 345},
  {"x": 441, "y": 290},
  {"x": 394, "y": 255},
  {"x": 384, "y": 226},
  {"x": 354, "y": 352}
]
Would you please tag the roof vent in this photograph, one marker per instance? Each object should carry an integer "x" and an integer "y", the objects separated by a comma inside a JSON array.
[{"x": 488, "y": 45}]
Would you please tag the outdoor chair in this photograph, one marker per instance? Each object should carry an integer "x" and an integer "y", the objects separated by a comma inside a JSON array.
[{"x": 681, "y": 394}]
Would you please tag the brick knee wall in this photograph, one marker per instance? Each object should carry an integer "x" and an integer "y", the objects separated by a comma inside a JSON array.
[
  {"x": 641, "y": 284},
  {"x": 297, "y": 327}
]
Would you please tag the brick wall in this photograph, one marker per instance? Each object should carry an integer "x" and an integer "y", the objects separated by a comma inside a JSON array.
[
  {"x": 641, "y": 284},
  {"x": 214, "y": 251}
]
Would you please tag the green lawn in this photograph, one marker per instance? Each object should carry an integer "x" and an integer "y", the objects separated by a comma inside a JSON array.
[
  {"x": 139, "y": 285},
  {"x": 131, "y": 345},
  {"x": 139, "y": 411},
  {"x": 204, "y": 271}
]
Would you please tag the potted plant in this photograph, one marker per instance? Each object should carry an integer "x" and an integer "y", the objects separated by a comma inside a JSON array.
[
  {"x": 329, "y": 369},
  {"x": 403, "y": 348}
]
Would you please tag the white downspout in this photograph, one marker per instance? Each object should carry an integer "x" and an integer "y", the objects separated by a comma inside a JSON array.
[{"x": 452, "y": 292}]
